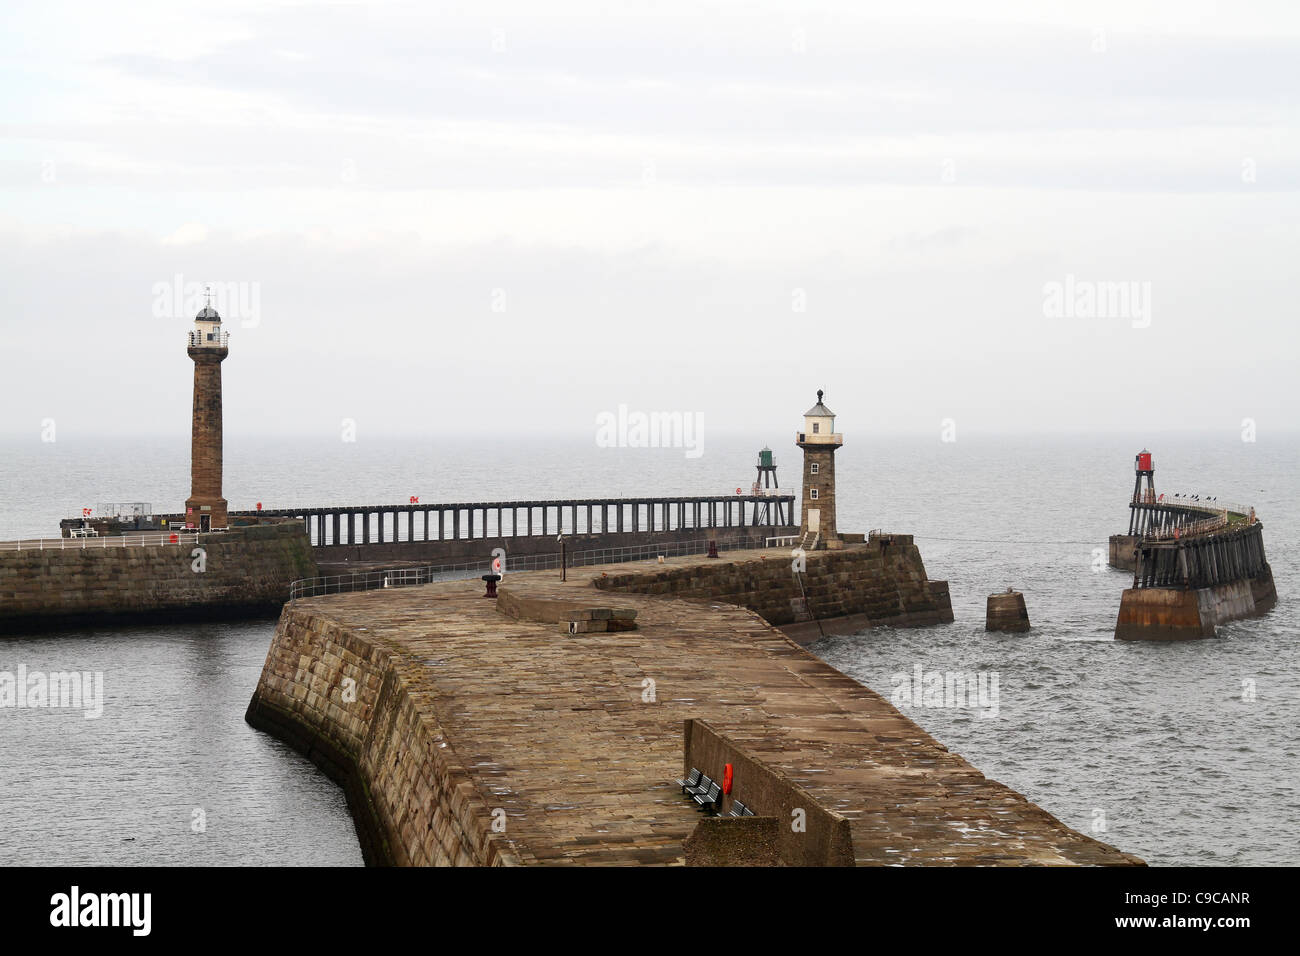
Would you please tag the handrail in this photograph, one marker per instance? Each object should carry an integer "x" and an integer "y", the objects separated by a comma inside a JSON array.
[
  {"x": 197, "y": 340},
  {"x": 1184, "y": 501},
  {"x": 1195, "y": 529},
  {"x": 521, "y": 503},
  {"x": 104, "y": 542},
  {"x": 403, "y": 577}
]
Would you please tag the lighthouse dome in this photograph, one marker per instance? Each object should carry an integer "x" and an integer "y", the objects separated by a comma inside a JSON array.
[
  {"x": 819, "y": 410},
  {"x": 207, "y": 314}
]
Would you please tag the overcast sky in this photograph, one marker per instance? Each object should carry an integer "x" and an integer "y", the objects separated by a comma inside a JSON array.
[{"x": 433, "y": 213}]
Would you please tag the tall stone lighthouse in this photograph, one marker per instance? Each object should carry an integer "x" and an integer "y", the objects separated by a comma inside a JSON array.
[
  {"x": 818, "y": 439},
  {"x": 205, "y": 509}
]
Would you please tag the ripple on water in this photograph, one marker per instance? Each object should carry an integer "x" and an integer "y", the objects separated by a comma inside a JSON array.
[
  {"x": 1157, "y": 741},
  {"x": 170, "y": 774}
]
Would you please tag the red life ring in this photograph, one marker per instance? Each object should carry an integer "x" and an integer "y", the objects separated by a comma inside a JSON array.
[
  {"x": 738, "y": 491},
  {"x": 726, "y": 779}
]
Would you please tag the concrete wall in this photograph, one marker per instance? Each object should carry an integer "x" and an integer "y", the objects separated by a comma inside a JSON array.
[
  {"x": 338, "y": 559},
  {"x": 863, "y": 584},
  {"x": 339, "y": 699},
  {"x": 1168, "y": 614},
  {"x": 1121, "y": 551},
  {"x": 826, "y": 838},
  {"x": 246, "y": 573}
]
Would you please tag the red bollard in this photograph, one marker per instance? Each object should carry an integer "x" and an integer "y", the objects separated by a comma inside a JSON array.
[{"x": 713, "y": 549}]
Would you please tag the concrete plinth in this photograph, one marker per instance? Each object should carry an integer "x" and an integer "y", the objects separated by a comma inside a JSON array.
[
  {"x": 1170, "y": 614},
  {"x": 1006, "y": 612},
  {"x": 1122, "y": 551}
]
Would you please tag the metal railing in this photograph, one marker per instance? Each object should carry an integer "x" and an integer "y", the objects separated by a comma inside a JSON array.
[
  {"x": 1185, "y": 501},
  {"x": 407, "y": 577},
  {"x": 780, "y": 540},
  {"x": 817, "y": 438},
  {"x": 219, "y": 340},
  {"x": 1190, "y": 530},
  {"x": 104, "y": 542}
]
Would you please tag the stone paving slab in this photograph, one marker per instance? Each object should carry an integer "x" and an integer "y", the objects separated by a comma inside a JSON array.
[{"x": 553, "y": 728}]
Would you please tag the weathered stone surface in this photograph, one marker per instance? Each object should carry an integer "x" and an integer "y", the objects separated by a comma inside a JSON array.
[
  {"x": 206, "y": 438},
  {"x": 1006, "y": 612},
  {"x": 460, "y": 718},
  {"x": 1168, "y": 614},
  {"x": 1122, "y": 555},
  {"x": 734, "y": 841},
  {"x": 868, "y": 584},
  {"x": 822, "y": 459},
  {"x": 245, "y": 571}
]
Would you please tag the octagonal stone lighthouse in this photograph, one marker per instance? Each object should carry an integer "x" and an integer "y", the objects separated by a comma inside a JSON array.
[
  {"x": 205, "y": 509},
  {"x": 819, "y": 441}
]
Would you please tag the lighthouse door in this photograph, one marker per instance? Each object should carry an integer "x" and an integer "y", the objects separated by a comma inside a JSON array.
[
  {"x": 814, "y": 519},
  {"x": 205, "y": 522}
]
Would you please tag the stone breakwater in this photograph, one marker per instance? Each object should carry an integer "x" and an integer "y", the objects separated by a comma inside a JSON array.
[
  {"x": 467, "y": 736},
  {"x": 239, "y": 573}
]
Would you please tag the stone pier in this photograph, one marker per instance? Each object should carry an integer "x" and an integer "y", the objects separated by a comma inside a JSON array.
[{"x": 464, "y": 735}]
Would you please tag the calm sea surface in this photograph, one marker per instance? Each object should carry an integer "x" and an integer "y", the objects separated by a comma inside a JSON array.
[{"x": 1154, "y": 748}]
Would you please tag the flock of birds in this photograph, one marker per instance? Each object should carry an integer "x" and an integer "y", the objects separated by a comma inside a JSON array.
[{"x": 1197, "y": 497}]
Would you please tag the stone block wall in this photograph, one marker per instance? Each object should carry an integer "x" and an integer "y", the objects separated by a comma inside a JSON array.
[
  {"x": 340, "y": 698},
  {"x": 245, "y": 572},
  {"x": 881, "y": 584},
  {"x": 823, "y": 456},
  {"x": 1006, "y": 611}
]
